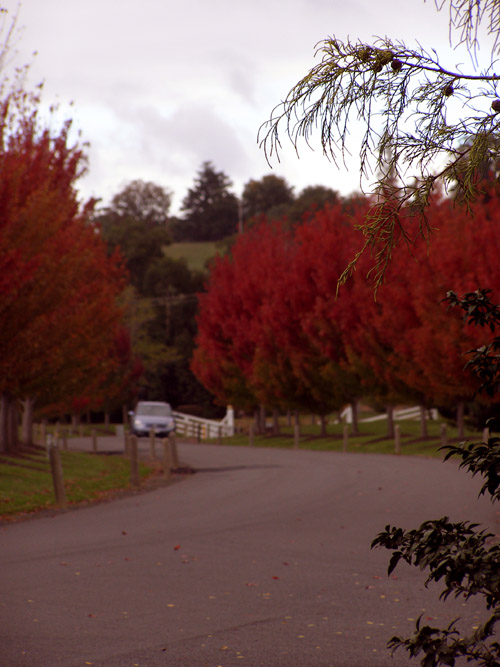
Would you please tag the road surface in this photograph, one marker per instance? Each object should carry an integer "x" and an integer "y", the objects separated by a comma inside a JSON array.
[{"x": 261, "y": 558}]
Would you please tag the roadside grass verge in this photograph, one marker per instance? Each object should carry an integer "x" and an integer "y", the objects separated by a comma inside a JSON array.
[
  {"x": 372, "y": 437},
  {"x": 26, "y": 481}
]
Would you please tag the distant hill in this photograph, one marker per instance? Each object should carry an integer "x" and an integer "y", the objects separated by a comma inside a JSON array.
[{"x": 196, "y": 254}]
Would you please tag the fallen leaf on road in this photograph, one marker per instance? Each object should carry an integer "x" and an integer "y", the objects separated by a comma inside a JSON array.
[{"x": 177, "y": 547}]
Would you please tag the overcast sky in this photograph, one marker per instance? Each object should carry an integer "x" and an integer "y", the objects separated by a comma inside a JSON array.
[{"x": 159, "y": 86}]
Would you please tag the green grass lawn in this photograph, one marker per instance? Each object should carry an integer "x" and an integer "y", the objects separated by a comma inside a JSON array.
[
  {"x": 372, "y": 437},
  {"x": 195, "y": 254},
  {"x": 26, "y": 482}
]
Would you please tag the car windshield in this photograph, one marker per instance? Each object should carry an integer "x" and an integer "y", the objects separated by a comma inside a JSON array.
[{"x": 154, "y": 410}]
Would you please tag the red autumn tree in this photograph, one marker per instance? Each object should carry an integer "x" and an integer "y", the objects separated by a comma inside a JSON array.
[
  {"x": 324, "y": 247},
  {"x": 409, "y": 340},
  {"x": 245, "y": 353},
  {"x": 271, "y": 317},
  {"x": 58, "y": 306},
  {"x": 440, "y": 342},
  {"x": 215, "y": 360}
]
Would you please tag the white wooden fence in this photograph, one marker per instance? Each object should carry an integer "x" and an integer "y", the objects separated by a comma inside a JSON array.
[
  {"x": 204, "y": 429},
  {"x": 404, "y": 413}
]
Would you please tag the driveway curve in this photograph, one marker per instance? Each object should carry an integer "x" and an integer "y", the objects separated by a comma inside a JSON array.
[{"x": 261, "y": 558}]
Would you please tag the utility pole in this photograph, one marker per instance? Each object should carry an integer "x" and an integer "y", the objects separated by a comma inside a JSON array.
[{"x": 240, "y": 216}]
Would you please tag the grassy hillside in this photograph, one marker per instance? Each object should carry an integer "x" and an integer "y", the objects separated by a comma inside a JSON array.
[{"x": 195, "y": 254}]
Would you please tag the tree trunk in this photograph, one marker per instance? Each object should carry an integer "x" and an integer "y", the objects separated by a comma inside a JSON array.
[
  {"x": 296, "y": 422},
  {"x": 322, "y": 420},
  {"x": 276, "y": 423},
  {"x": 423, "y": 422},
  {"x": 354, "y": 426},
  {"x": 260, "y": 420},
  {"x": 460, "y": 420},
  {"x": 262, "y": 417},
  {"x": 390, "y": 421},
  {"x": 27, "y": 421},
  {"x": 10, "y": 424},
  {"x": 3, "y": 423}
]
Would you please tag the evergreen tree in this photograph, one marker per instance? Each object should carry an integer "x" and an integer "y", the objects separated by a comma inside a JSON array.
[{"x": 210, "y": 208}]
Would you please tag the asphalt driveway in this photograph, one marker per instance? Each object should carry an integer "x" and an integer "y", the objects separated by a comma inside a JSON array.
[{"x": 260, "y": 558}]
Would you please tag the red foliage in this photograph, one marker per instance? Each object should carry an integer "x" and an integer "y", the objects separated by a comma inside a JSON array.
[
  {"x": 412, "y": 347},
  {"x": 58, "y": 287},
  {"x": 273, "y": 329}
]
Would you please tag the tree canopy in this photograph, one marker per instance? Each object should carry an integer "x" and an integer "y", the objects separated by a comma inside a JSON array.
[
  {"x": 58, "y": 308},
  {"x": 136, "y": 222},
  {"x": 271, "y": 313},
  {"x": 210, "y": 208},
  {"x": 144, "y": 202},
  {"x": 271, "y": 195}
]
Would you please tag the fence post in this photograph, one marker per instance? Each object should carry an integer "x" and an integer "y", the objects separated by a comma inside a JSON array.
[
  {"x": 345, "y": 438},
  {"x": 219, "y": 435},
  {"x": 296, "y": 435},
  {"x": 444, "y": 439},
  {"x": 167, "y": 459},
  {"x": 230, "y": 419},
  {"x": 397, "y": 439},
  {"x": 173, "y": 451},
  {"x": 125, "y": 439},
  {"x": 198, "y": 432},
  {"x": 43, "y": 434},
  {"x": 94, "y": 441},
  {"x": 57, "y": 475},
  {"x": 134, "y": 463},
  {"x": 64, "y": 436},
  {"x": 152, "y": 443},
  {"x": 486, "y": 434},
  {"x": 251, "y": 434}
]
